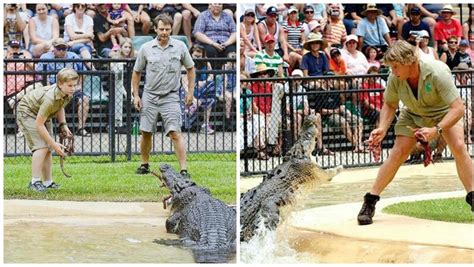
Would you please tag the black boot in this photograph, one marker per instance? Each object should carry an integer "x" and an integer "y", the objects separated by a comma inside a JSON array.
[
  {"x": 469, "y": 198},
  {"x": 368, "y": 209}
]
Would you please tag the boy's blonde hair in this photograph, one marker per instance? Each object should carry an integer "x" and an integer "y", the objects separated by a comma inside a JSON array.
[
  {"x": 401, "y": 52},
  {"x": 66, "y": 75}
]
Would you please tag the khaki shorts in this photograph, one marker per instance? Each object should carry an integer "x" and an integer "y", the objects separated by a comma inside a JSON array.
[
  {"x": 27, "y": 125},
  {"x": 409, "y": 119},
  {"x": 168, "y": 107}
]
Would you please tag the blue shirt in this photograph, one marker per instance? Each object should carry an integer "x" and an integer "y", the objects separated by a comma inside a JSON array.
[
  {"x": 56, "y": 66},
  {"x": 316, "y": 66},
  {"x": 219, "y": 31},
  {"x": 408, "y": 28},
  {"x": 373, "y": 34}
]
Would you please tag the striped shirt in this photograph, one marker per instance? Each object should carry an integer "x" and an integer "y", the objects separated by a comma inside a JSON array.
[
  {"x": 294, "y": 32},
  {"x": 272, "y": 62},
  {"x": 337, "y": 34}
]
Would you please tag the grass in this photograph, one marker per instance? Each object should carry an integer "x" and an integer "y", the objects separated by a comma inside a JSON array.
[
  {"x": 105, "y": 181},
  {"x": 448, "y": 210}
]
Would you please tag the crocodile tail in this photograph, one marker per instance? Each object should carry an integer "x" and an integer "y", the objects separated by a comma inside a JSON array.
[{"x": 211, "y": 255}]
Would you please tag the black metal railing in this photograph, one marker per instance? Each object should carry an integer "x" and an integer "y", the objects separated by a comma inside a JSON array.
[{"x": 258, "y": 127}]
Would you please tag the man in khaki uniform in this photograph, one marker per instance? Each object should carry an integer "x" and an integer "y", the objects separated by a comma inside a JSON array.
[
  {"x": 432, "y": 108},
  {"x": 162, "y": 57},
  {"x": 35, "y": 111}
]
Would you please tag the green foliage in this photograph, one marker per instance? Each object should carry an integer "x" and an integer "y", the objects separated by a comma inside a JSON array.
[
  {"x": 448, "y": 210},
  {"x": 95, "y": 181}
]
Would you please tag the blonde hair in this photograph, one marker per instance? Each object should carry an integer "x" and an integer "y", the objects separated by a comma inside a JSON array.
[
  {"x": 66, "y": 75},
  {"x": 401, "y": 52}
]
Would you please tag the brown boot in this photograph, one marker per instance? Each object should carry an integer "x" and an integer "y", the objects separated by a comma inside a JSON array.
[{"x": 368, "y": 209}]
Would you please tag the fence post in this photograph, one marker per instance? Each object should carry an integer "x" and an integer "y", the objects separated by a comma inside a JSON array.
[
  {"x": 112, "y": 134},
  {"x": 245, "y": 134},
  {"x": 128, "y": 86}
]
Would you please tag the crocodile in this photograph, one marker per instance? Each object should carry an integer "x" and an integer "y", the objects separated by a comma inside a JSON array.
[
  {"x": 260, "y": 206},
  {"x": 203, "y": 223}
]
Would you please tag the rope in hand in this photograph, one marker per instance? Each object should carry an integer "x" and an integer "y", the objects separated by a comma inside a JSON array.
[{"x": 68, "y": 142}]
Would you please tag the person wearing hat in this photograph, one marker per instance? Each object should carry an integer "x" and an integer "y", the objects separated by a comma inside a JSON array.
[
  {"x": 422, "y": 40},
  {"x": 436, "y": 111},
  {"x": 415, "y": 25},
  {"x": 269, "y": 56},
  {"x": 270, "y": 26},
  {"x": 334, "y": 29},
  {"x": 292, "y": 38},
  {"x": 81, "y": 101},
  {"x": 315, "y": 63},
  {"x": 373, "y": 30},
  {"x": 249, "y": 33},
  {"x": 355, "y": 60},
  {"x": 299, "y": 101},
  {"x": 35, "y": 112},
  {"x": 464, "y": 57},
  {"x": 447, "y": 26}
]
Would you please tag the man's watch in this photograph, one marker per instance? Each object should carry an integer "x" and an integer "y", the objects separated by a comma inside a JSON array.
[{"x": 439, "y": 130}]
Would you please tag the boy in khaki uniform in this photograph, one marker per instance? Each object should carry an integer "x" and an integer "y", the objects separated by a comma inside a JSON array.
[
  {"x": 35, "y": 111},
  {"x": 432, "y": 107}
]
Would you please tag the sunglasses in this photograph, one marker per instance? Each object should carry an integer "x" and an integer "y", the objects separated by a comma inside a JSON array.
[
  {"x": 309, "y": 12},
  {"x": 452, "y": 42},
  {"x": 61, "y": 48},
  {"x": 250, "y": 15}
]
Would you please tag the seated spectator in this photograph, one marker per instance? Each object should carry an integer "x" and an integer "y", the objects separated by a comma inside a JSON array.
[
  {"x": 247, "y": 63},
  {"x": 334, "y": 112},
  {"x": 292, "y": 38},
  {"x": 117, "y": 19},
  {"x": 43, "y": 30},
  {"x": 188, "y": 13},
  {"x": 371, "y": 55},
  {"x": 216, "y": 31},
  {"x": 250, "y": 35},
  {"x": 205, "y": 88},
  {"x": 91, "y": 10},
  {"x": 468, "y": 27},
  {"x": 356, "y": 61},
  {"x": 269, "y": 57},
  {"x": 319, "y": 11},
  {"x": 308, "y": 12},
  {"x": 335, "y": 31},
  {"x": 270, "y": 26},
  {"x": 315, "y": 63},
  {"x": 60, "y": 11},
  {"x": 255, "y": 122},
  {"x": 13, "y": 25},
  {"x": 140, "y": 16},
  {"x": 399, "y": 14},
  {"x": 423, "y": 40},
  {"x": 103, "y": 31},
  {"x": 79, "y": 32},
  {"x": 464, "y": 57},
  {"x": 337, "y": 63},
  {"x": 126, "y": 51},
  {"x": 451, "y": 57},
  {"x": 411, "y": 29},
  {"x": 173, "y": 10},
  {"x": 352, "y": 17},
  {"x": 373, "y": 30},
  {"x": 80, "y": 100},
  {"x": 371, "y": 102},
  {"x": 446, "y": 27},
  {"x": 313, "y": 27}
]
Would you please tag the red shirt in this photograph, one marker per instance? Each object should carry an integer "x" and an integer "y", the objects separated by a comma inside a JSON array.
[
  {"x": 374, "y": 98},
  {"x": 443, "y": 31},
  {"x": 264, "y": 103}
]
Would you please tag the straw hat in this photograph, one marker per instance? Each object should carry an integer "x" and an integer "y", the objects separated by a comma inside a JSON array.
[
  {"x": 371, "y": 7},
  {"x": 447, "y": 8},
  {"x": 315, "y": 37},
  {"x": 260, "y": 69}
]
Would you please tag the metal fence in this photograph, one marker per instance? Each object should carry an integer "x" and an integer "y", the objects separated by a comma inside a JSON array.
[
  {"x": 265, "y": 138},
  {"x": 111, "y": 117}
]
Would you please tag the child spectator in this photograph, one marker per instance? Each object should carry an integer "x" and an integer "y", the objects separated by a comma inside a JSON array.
[
  {"x": 299, "y": 102},
  {"x": 116, "y": 19},
  {"x": 371, "y": 101},
  {"x": 371, "y": 55},
  {"x": 337, "y": 63},
  {"x": 464, "y": 57}
]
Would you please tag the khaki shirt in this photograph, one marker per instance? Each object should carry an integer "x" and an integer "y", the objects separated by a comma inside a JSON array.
[
  {"x": 163, "y": 65},
  {"x": 436, "y": 90},
  {"x": 45, "y": 101}
]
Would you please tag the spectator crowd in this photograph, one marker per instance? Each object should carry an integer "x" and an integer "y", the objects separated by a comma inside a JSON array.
[
  {"x": 103, "y": 31},
  {"x": 347, "y": 40}
]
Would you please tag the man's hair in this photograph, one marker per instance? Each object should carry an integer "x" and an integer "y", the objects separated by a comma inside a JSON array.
[
  {"x": 402, "y": 52},
  {"x": 66, "y": 75},
  {"x": 165, "y": 18}
]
